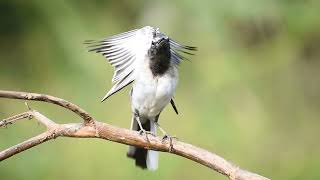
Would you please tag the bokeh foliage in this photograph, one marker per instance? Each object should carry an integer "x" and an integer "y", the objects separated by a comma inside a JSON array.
[{"x": 251, "y": 94}]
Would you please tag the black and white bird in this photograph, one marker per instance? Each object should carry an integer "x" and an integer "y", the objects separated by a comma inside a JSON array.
[{"x": 149, "y": 59}]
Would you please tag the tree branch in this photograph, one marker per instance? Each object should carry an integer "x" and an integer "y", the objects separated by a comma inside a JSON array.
[
  {"x": 95, "y": 129},
  {"x": 47, "y": 98}
]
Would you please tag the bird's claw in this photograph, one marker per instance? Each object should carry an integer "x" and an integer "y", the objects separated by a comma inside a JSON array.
[
  {"x": 170, "y": 138},
  {"x": 142, "y": 131}
]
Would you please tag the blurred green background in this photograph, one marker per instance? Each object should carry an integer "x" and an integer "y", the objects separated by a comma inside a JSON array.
[{"x": 251, "y": 94}]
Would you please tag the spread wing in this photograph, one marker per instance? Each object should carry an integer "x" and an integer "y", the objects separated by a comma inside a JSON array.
[
  {"x": 122, "y": 52},
  {"x": 178, "y": 51}
]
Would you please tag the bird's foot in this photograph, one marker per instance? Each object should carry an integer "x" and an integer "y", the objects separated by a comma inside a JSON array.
[
  {"x": 143, "y": 131},
  {"x": 169, "y": 138}
]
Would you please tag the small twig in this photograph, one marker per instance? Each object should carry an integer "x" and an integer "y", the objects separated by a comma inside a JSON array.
[
  {"x": 96, "y": 129},
  {"x": 26, "y": 103},
  {"x": 29, "y": 114},
  {"x": 47, "y": 98},
  {"x": 14, "y": 118}
]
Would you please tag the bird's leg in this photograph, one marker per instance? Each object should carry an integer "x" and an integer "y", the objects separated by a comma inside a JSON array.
[
  {"x": 162, "y": 130},
  {"x": 142, "y": 130},
  {"x": 166, "y": 136},
  {"x": 140, "y": 125}
]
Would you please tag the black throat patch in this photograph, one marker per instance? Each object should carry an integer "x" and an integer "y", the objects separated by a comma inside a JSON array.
[{"x": 159, "y": 55}]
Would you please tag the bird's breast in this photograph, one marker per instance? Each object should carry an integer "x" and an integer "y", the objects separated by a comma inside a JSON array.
[{"x": 150, "y": 94}]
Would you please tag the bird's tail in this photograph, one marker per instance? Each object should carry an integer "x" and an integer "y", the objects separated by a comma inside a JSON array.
[{"x": 144, "y": 158}]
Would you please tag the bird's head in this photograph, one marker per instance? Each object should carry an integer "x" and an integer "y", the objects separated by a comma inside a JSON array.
[
  {"x": 159, "y": 53},
  {"x": 160, "y": 44},
  {"x": 159, "y": 41}
]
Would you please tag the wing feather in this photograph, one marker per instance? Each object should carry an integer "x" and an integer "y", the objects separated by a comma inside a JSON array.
[
  {"x": 178, "y": 49},
  {"x": 121, "y": 54},
  {"x": 119, "y": 85}
]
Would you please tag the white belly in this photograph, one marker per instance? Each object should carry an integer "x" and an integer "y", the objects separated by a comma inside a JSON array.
[{"x": 151, "y": 94}]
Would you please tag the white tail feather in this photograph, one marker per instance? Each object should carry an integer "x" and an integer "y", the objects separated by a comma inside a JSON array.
[
  {"x": 152, "y": 156},
  {"x": 152, "y": 160}
]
